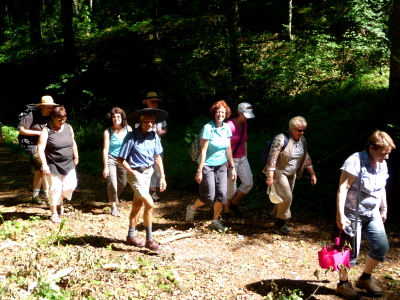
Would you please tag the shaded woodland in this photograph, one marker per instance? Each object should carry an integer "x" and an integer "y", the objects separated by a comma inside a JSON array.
[{"x": 336, "y": 62}]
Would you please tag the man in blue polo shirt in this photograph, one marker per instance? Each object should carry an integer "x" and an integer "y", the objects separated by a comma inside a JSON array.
[{"x": 140, "y": 150}]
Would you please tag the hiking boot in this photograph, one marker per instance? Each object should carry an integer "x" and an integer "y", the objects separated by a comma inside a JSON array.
[
  {"x": 190, "y": 214},
  {"x": 282, "y": 227},
  {"x": 155, "y": 197},
  {"x": 346, "y": 290},
  {"x": 236, "y": 210},
  {"x": 37, "y": 200},
  {"x": 152, "y": 245},
  {"x": 132, "y": 241},
  {"x": 371, "y": 286},
  {"x": 218, "y": 226}
]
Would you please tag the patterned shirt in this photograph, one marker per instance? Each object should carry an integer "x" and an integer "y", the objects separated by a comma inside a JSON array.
[{"x": 372, "y": 184}]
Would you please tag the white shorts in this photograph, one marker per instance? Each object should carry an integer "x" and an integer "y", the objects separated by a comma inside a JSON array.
[{"x": 61, "y": 186}]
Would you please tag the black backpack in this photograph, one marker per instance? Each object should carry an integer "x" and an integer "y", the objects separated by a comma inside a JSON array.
[
  {"x": 265, "y": 153},
  {"x": 23, "y": 139}
]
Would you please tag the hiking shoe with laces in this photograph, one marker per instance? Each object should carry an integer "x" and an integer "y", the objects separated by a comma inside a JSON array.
[
  {"x": 371, "y": 286},
  {"x": 190, "y": 214},
  {"x": 37, "y": 200},
  {"x": 218, "y": 226},
  {"x": 281, "y": 226},
  {"x": 152, "y": 245},
  {"x": 132, "y": 241},
  {"x": 155, "y": 197},
  {"x": 236, "y": 210},
  {"x": 346, "y": 290}
]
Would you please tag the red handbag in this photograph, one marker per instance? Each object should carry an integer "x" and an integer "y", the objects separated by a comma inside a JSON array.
[{"x": 334, "y": 256}]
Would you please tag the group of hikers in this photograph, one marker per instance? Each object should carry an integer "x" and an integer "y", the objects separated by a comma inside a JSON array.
[{"x": 134, "y": 154}]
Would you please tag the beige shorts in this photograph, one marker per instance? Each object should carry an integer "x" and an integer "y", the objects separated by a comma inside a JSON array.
[{"x": 140, "y": 182}]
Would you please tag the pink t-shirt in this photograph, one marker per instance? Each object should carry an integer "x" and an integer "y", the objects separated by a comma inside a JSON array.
[{"x": 236, "y": 133}]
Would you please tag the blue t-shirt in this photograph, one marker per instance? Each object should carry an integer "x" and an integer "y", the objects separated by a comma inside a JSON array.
[
  {"x": 116, "y": 142},
  {"x": 139, "y": 150},
  {"x": 218, "y": 142},
  {"x": 372, "y": 183}
]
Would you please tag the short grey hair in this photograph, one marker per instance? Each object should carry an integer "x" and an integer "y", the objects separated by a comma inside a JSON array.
[{"x": 297, "y": 122}]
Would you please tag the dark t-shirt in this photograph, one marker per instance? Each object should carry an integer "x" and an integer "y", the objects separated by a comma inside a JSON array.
[{"x": 35, "y": 121}]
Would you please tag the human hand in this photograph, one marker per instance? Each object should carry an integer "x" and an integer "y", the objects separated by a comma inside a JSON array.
[
  {"x": 342, "y": 222},
  {"x": 234, "y": 175},
  {"x": 163, "y": 184},
  {"x": 76, "y": 161},
  {"x": 45, "y": 170},
  {"x": 313, "y": 179},
  {"x": 198, "y": 177},
  {"x": 383, "y": 213},
  {"x": 105, "y": 172},
  {"x": 270, "y": 181}
]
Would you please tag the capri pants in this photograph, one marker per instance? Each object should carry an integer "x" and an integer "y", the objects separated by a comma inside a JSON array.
[{"x": 243, "y": 171}]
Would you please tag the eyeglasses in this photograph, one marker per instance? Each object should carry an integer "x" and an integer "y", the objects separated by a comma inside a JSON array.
[
  {"x": 62, "y": 120},
  {"x": 300, "y": 131}
]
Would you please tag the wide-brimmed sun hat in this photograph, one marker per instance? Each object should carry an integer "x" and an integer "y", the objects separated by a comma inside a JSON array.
[
  {"x": 160, "y": 114},
  {"x": 151, "y": 96},
  {"x": 246, "y": 109},
  {"x": 47, "y": 100}
]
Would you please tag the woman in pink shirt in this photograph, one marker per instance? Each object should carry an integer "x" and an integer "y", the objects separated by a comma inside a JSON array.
[{"x": 238, "y": 127}]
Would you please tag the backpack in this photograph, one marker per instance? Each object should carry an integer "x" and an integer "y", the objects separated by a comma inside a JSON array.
[
  {"x": 195, "y": 148},
  {"x": 265, "y": 153},
  {"x": 22, "y": 139}
]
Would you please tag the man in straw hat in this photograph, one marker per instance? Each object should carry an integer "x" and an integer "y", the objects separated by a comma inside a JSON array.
[
  {"x": 140, "y": 150},
  {"x": 152, "y": 101},
  {"x": 31, "y": 127}
]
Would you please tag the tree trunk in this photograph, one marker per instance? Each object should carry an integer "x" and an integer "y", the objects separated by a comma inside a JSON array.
[
  {"x": 34, "y": 21},
  {"x": 68, "y": 35},
  {"x": 234, "y": 30},
  {"x": 394, "y": 78},
  {"x": 290, "y": 20}
]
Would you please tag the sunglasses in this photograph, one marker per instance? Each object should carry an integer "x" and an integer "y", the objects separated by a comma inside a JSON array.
[{"x": 61, "y": 120}]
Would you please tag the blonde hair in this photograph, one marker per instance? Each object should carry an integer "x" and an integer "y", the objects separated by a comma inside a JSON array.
[
  {"x": 380, "y": 139},
  {"x": 297, "y": 121}
]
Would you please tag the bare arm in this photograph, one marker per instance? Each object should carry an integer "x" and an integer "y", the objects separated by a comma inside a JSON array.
[
  {"x": 162, "y": 131},
  {"x": 75, "y": 149},
  {"x": 346, "y": 180},
  {"x": 106, "y": 146},
  {"x": 230, "y": 160},
  {"x": 383, "y": 207},
  {"x": 29, "y": 132},
  {"x": 203, "y": 153},
  {"x": 160, "y": 167},
  {"x": 41, "y": 146},
  {"x": 123, "y": 163}
]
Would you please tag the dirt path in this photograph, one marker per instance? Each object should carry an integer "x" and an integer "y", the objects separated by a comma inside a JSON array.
[{"x": 246, "y": 263}]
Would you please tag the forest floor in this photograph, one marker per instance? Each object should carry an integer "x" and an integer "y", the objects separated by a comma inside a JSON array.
[{"x": 88, "y": 259}]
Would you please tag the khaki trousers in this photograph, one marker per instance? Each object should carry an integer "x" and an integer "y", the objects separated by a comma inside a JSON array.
[{"x": 284, "y": 188}]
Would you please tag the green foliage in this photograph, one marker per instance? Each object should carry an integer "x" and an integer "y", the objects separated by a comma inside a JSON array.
[{"x": 10, "y": 139}]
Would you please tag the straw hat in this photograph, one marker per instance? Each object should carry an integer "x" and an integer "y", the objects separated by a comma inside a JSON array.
[
  {"x": 160, "y": 114},
  {"x": 151, "y": 96},
  {"x": 47, "y": 100}
]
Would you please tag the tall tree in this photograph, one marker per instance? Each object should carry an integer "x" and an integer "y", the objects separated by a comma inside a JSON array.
[
  {"x": 394, "y": 79},
  {"x": 68, "y": 35},
  {"x": 34, "y": 20}
]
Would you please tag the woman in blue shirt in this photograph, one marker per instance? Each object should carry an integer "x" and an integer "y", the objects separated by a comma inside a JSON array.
[
  {"x": 113, "y": 138},
  {"x": 371, "y": 212},
  {"x": 212, "y": 171}
]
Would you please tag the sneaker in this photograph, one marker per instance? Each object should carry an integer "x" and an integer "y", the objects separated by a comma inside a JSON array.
[
  {"x": 37, "y": 200},
  {"x": 114, "y": 211},
  {"x": 346, "y": 290},
  {"x": 218, "y": 226},
  {"x": 155, "y": 197},
  {"x": 152, "y": 245},
  {"x": 190, "y": 214},
  {"x": 55, "y": 219},
  {"x": 371, "y": 286},
  {"x": 281, "y": 226},
  {"x": 132, "y": 241},
  {"x": 236, "y": 210}
]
